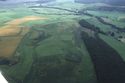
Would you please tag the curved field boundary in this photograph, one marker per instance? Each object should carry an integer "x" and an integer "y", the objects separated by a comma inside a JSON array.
[
  {"x": 11, "y": 35},
  {"x": 109, "y": 66}
]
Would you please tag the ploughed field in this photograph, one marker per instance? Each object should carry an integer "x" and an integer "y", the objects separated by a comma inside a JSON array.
[{"x": 65, "y": 43}]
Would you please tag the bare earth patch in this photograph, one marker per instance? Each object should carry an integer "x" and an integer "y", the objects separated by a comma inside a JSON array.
[
  {"x": 7, "y": 47},
  {"x": 12, "y": 27},
  {"x": 11, "y": 35}
]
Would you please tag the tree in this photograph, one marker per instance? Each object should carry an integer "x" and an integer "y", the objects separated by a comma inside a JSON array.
[
  {"x": 112, "y": 34},
  {"x": 44, "y": 1}
]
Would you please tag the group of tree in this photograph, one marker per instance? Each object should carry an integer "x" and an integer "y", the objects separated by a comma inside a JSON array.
[{"x": 112, "y": 2}]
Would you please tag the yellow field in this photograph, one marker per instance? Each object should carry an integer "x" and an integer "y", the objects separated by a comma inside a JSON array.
[
  {"x": 7, "y": 47},
  {"x": 12, "y": 27},
  {"x": 9, "y": 40}
]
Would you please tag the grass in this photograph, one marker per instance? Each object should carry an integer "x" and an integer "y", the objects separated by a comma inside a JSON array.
[
  {"x": 20, "y": 70},
  {"x": 57, "y": 45},
  {"x": 98, "y": 24},
  {"x": 69, "y": 5},
  {"x": 64, "y": 40},
  {"x": 118, "y": 46},
  {"x": 113, "y": 16},
  {"x": 12, "y": 29},
  {"x": 105, "y": 59},
  {"x": 48, "y": 57}
]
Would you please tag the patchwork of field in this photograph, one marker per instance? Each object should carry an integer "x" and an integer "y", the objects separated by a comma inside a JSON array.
[
  {"x": 11, "y": 35},
  {"x": 62, "y": 43}
]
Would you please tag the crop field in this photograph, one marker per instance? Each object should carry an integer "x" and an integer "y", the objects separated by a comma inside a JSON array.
[
  {"x": 62, "y": 43},
  {"x": 8, "y": 46},
  {"x": 12, "y": 34}
]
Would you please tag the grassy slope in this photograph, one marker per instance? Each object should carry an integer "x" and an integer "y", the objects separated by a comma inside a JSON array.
[
  {"x": 53, "y": 45},
  {"x": 18, "y": 71},
  {"x": 113, "y": 16},
  {"x": 118, "y": 46},
  {"x": 49, "y": 47},
  {"x": 98, "y": 24}
]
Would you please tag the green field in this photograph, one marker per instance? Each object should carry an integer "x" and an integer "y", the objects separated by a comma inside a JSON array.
[{"x": 55, "y": 50}]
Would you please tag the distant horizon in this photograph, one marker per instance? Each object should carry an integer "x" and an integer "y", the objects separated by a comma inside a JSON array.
[{"x": 112, "y": 2}]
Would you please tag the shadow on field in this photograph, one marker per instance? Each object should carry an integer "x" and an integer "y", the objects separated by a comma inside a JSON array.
[{"x": 109, "y": 66}]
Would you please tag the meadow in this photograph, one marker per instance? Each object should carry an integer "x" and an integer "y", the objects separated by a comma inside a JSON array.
[{"x": 44, "y": 44}]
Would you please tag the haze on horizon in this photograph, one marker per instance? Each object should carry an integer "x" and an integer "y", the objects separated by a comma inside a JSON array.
[{"x": 112, "y": 2}]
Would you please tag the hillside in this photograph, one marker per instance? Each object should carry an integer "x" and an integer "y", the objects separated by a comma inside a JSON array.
[
  {"x": 112, "y": 2},
  {"x": 62, "y": 43}
]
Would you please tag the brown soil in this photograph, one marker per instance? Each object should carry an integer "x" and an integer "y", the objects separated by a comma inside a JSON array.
[{"x": 9, "y": 40}]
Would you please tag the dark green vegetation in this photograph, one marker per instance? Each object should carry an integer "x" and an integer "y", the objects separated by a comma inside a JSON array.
[
  {"x": 58, "y": 58},
  {"x": 109, "y": 65},
  {"x": 77, "y": 43},
  {"x": 53, "y": 53},
  {"x": 112, "y": 2}
]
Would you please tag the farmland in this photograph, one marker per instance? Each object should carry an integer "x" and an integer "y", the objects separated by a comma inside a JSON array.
[{"x": 62, "y": 43}]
